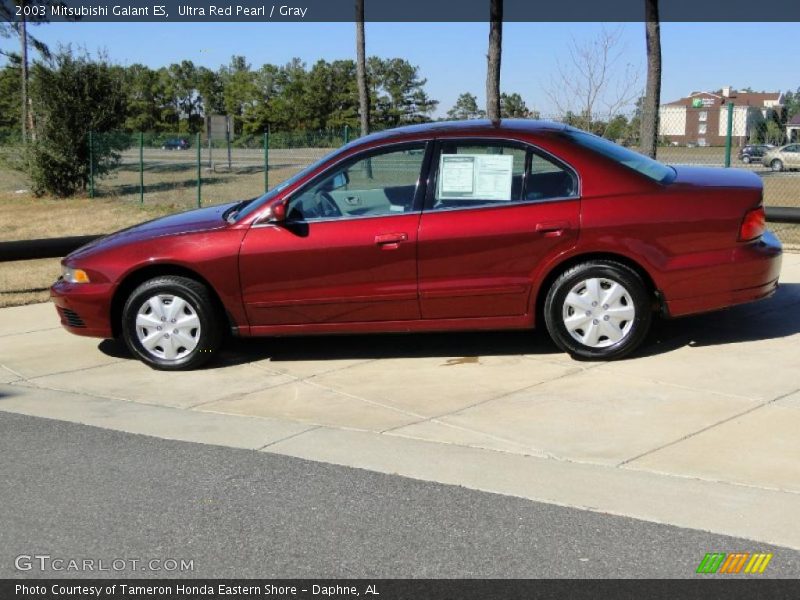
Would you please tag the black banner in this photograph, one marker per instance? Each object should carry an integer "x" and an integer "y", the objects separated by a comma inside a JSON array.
[
  {"x": 391, "y": 10},
  {"x": 395, "y": 589}
]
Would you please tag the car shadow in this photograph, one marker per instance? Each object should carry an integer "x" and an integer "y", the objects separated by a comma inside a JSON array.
[
  {"x": 238, "y": 351},
  {"x": 777, "y": 317},
  {"x": 773, "y": 318}
]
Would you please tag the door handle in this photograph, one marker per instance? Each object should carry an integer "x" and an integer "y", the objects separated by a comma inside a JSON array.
[
  {"x": 553, "y": 228},
  {"x": 390, "y": 241}
]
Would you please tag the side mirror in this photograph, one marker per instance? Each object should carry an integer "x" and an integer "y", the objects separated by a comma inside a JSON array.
[
  {"x": 340, "y": 180},
  {"x": 277, "y": 213}
]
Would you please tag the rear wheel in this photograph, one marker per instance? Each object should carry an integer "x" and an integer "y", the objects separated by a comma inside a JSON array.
[
  {"x": 746, "y": 159},
  {"x": 776, "y": 165},
  {"x": 598, "y": 310},
  {"x": 171, "y": 323}
]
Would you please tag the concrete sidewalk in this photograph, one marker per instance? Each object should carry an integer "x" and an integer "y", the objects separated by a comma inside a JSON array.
[{"x": 700, "y": 430}]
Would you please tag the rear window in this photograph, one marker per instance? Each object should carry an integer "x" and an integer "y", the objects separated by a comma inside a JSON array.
[{"x": 633, "y": 160}]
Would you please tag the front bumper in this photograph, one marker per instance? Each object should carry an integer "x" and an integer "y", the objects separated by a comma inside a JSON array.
[
  {"x": 750, "y": 272},
  {"x": 84, "y": 308}
]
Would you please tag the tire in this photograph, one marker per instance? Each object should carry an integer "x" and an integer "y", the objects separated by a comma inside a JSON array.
[
  {"x": 746, "y": 159},
  {"x": 776, "y": 165},
  {"x": 197, "y": 323},
  {"x": 601, "y": 332}
]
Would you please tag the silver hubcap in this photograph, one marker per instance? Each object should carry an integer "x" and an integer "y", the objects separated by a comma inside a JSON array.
[
  {"x": 168, "y": 327},
  {"x": 598, "y": 312}
]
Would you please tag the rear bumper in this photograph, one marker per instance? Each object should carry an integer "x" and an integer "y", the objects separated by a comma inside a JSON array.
[
  {"x": 84, "y": 308},
  {"x": 749, "y": 272}
]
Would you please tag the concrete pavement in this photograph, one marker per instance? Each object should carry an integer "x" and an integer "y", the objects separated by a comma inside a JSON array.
[
  {"x": 235, "y": 513},
  {"x": 698, "y": 430}
]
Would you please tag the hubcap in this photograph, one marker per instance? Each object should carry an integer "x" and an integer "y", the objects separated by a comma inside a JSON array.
[
  {"x": 168, "y": 327},
  {"x": 598, "y": 312}
]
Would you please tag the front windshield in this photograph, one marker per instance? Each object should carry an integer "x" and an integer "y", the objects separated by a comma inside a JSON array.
[
  {"x": 638, "y": 162},
  {"x": 273, "y": 193}
]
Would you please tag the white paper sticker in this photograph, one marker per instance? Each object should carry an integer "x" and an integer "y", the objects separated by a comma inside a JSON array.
[
  {"x": 475, "y": 177},
  {"x": 458, "y": 175}
]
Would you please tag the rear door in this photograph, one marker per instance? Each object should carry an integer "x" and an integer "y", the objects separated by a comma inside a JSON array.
[{"x": 493, "y": 211}]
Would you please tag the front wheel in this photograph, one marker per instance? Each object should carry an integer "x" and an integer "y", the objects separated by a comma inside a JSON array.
[
  {"x": 598, "y": 310},
  {"x": 171, "y": 323},
  {"x": 777, "y": 165},
  {"x": 746, "y": 159}
]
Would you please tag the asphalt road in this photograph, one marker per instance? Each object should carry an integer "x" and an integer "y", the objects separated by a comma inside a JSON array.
[{"x": 76, "y": 492}]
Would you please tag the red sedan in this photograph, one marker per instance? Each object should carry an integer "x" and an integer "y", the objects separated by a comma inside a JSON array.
[{"x": 445, "y": 226}]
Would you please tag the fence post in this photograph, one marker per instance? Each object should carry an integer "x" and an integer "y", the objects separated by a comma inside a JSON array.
[
  {"x": 91, "y": 164},
  {"x": 141, "y": 167},
  {"x": 266, "y": 160},
  {"x": 729, "y": 135},
  {"x": 346, "y": 134},
  {"x": 199, "y": 177}
]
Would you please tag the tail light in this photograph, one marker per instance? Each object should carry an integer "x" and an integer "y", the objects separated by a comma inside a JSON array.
[{"x": 753, "y": 224}]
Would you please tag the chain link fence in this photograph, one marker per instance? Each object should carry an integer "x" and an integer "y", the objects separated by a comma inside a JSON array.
[
  {"x": 175, "y": 171},
  {"x": 184, "y": 170}
]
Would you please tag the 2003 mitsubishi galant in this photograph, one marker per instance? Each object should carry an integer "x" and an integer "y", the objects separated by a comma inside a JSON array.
[{"x": 445, "y": 226}]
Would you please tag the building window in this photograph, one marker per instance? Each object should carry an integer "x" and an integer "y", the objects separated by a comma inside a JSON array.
[
  {"x": 703, "y": 116},
  {"x": 701, "y": 129}
]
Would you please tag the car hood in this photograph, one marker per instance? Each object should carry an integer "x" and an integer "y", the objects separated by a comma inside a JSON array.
[
  {"x": 201, "y": 219},
  {"x": 716, "y": 177}
]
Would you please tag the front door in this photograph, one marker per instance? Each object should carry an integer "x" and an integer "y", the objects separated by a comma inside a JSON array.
[
  {"x": 347, "y": 251},
  {"x": 494, "y": 211}
]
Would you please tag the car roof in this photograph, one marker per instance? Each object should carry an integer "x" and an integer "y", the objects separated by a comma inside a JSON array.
[{"x": 481, "y": 127}]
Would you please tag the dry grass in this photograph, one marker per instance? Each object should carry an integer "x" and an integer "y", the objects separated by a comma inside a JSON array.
[{"x": 26, "y": 282}]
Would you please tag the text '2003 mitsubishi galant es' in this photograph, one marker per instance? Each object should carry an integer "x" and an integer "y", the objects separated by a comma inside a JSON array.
[{"x": 445, "y": 226}]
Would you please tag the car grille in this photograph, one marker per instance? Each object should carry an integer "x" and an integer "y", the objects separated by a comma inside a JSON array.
[{"x": 71, "y": 317}]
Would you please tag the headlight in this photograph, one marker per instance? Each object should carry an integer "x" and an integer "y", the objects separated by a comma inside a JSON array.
[{"x": 74, "y": 275}]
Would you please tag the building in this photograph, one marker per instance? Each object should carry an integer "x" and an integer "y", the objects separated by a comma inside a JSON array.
[
  {"x": 793, "y": 129},
  {"x": 701, "y": 118}
]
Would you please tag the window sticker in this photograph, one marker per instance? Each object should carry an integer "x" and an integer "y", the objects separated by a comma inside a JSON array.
[
  {"x": 475, "y": 176},
  {"x": 458, "y": 175}
]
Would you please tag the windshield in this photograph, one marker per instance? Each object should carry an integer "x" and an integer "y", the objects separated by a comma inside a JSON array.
[
  {"x": 273, "y": 193},
  {"x": 638, "y": 162}
]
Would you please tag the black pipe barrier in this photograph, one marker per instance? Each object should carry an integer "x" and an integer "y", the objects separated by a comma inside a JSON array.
[
  {"x": 783, "y": 214},
  {"x": 58, "y": 247},
  {"x": 44, "y": 248}
]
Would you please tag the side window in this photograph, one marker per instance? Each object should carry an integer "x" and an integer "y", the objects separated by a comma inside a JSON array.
[
  {"x": 381, "y": 183},
  {"x": 548, "y": 180},
  {"x": 478, "y": 174},
  {"x": 472, "y": 175}
]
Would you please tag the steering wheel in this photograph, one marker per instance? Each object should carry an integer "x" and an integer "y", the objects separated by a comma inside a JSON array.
[{"x": 327, "y": 206}]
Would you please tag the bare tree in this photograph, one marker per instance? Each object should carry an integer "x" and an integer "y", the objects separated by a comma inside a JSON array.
[
  {"x": 361, "y": 69},
  {"x": 652, "y": 93},
  {"x": 493, "y": 60},
  {"x": 593, "y": 85}
]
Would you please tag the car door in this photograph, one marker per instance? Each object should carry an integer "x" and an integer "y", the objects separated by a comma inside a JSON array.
[
  {"x": 347, "y": 249},
  {"x": 493, "y": 211},
  {"x": 792, "y": 154}
]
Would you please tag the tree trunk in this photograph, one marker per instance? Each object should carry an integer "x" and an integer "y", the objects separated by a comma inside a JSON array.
[
  {"x": 493, "y": 60},
  {"x": 652, "y": 97},
  {"x": 23, "y": 38},
  {"x": 361, "y": 69}
]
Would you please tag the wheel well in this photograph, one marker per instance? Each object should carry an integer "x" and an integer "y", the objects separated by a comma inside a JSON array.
[
  {"x": 136, "y": 278},
  {"x": 571, "y": 262}
]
